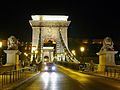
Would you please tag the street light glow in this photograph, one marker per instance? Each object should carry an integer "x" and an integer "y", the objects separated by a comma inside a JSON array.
[
  {"x": 82, "y": 49},
  {"x": 0, "y": 44}
]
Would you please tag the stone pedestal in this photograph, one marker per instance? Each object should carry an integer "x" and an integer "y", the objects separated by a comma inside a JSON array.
[
  {"x": 13, "y": 57},
  {"x": 106, "y": 58}
]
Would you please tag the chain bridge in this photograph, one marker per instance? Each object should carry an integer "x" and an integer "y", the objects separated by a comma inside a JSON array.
[{"x": 49, "y": 38}]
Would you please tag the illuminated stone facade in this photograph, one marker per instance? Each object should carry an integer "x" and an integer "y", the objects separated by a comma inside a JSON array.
[
  {"x": 106, "y": 54},
  {"x": 48, "y": 26}
]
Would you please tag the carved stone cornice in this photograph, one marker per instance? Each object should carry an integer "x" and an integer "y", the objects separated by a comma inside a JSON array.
[{"x": 49, "y": 23}]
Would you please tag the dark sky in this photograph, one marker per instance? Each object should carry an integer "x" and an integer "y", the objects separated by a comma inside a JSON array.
[{"x": 89, "y": 19}]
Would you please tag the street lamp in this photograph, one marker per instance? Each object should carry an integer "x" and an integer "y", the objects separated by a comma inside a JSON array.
[{"x": 82, "y": 50}]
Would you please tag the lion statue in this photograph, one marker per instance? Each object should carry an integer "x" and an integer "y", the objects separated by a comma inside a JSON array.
[
  {"x": 12, "y": 43},
  {"x": 107, "y": 44}
]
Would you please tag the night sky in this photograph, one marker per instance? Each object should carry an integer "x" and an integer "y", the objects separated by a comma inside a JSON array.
[{"x": 89, "y": 19}]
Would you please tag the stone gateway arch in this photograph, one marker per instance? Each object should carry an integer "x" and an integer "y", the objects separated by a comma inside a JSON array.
[{"x": 47, "y": 31}]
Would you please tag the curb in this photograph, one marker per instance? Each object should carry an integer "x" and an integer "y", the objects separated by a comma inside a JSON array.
[{"x": 112, "y": 78}]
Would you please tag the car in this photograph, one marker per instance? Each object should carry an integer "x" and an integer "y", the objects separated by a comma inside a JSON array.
[
  {"x": 82, "y": 67},
  {"x": 49, "y": 66}
]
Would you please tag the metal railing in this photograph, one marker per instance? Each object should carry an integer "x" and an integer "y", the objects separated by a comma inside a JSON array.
[
  {"x": 112, "y": 71},
  {"x": 9, "y": 77}
]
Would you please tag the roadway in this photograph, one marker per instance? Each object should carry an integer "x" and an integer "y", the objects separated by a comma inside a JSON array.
[{"x": 69, "y": 80}]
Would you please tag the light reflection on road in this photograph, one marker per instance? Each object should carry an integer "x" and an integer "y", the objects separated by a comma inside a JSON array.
[{"x": 49, "y": 79}]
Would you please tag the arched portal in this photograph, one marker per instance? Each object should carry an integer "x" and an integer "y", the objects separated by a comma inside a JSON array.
[
  {"x": 46, "y": 37},
  {"x": 46, "y": 59}
]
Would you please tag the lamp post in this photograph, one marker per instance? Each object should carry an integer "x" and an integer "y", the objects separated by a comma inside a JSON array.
[
  {"x": 82, "y": 50},
  {"x": 0, "y": 53}
]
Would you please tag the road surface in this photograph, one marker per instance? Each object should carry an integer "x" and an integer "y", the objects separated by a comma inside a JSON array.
[{"x": 60, "y": 81}]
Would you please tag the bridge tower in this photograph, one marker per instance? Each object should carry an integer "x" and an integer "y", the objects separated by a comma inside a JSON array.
[{"x": 46, "y": 37}]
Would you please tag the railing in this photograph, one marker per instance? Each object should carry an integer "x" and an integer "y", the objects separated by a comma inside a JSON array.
[
  {"x": 66, "y": 49},
  {"x": 9, "y": 77},
  {"x": 112, "y": 71}
]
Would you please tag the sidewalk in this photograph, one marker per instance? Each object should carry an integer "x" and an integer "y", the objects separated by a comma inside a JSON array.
[
  {"x": 29, "y": 76},
  {"x": 105, "y": 75}
]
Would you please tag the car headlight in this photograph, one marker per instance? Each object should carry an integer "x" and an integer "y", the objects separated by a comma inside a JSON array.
[
  {"x": 46, "y": 68},
  {"x": 53, "y": 68},
  {"x": 45, "y": 63}
]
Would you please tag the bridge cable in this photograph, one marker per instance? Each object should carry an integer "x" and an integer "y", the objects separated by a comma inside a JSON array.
[{"x": 66, "y": 48}]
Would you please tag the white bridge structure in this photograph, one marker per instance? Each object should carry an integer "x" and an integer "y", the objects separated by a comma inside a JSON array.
[{"x": 49, "y": 38}]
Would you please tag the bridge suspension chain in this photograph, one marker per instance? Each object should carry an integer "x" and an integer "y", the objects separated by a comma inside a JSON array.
[{"x": 70, "y": 55}]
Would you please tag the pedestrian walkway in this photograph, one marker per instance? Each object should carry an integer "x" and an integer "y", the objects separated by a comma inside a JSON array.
[
  {"x": 110, "y": 75},
  {"x": 100, "y": 74},
  {"x": 27, "y": 76}
]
